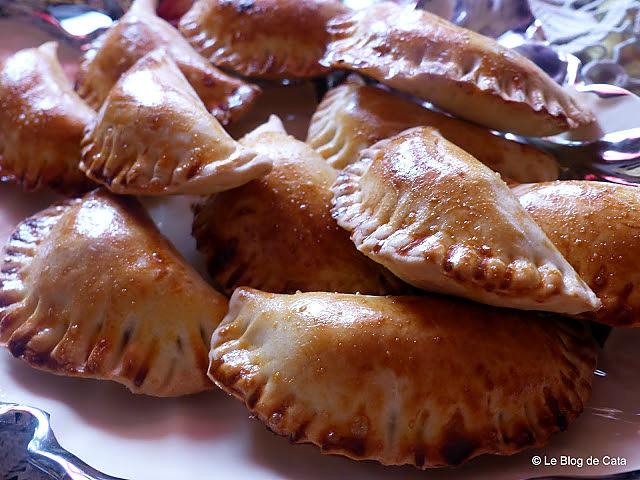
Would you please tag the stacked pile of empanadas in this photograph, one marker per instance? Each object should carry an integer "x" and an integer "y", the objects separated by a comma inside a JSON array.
[{"x": 385, "y": 275}]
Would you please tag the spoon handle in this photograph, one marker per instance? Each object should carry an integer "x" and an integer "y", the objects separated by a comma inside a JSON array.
[{"x": 44, "y": 452}]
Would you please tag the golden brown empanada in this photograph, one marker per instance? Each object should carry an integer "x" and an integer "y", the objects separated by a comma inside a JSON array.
[
  {"x": 90, "y": 288},
  {"x": 139, "y": 32},
  {"x": 442, "y": 221},
  {"x": 460, "y": 71},
  {"x": 596, "y": 226},
  {"x": 428, "y": 381},
  {"x": 153, "y": 136},
  {"x": 276, "y": 233},
  {"x": 262, "y": 38},
  {"x": 41, "y": 123},
  {"x": 354, "y": 116}
]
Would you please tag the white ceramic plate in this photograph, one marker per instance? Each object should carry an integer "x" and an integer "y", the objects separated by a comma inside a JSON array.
[{"x": 211, "y": 435}]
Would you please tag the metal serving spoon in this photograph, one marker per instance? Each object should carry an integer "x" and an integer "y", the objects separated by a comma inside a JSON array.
[
  {"x": 614, "y": 157},
  {"x": 74, "y": 22},
  {"x": 43, "y": 451}
]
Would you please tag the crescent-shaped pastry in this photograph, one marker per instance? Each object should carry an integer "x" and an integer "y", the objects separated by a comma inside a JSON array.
[
  {"x": 277, "y": 234},
  {"x": 139, "y": 32},
  {"x": 442, "y": 221},
  {"x": 354, "y": 116},
  {"x": 462, "y": 72},
  {"x": 41, "y": 123},
  {"x": 596, "y": 226},
  {"x": 90, "y": 288},
  {"x": 262, "y": 38},
  {"x": 154, "y": 136},
  {"x": 428, "y": 381}
]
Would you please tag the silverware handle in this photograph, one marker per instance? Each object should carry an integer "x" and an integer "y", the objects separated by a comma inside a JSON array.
[{"x": 59, "y": 464}]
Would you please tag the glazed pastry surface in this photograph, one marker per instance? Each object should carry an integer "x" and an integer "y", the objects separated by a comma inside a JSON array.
[
  {"x": 41, "y": 123},
  {"x": 462, "y": 72},
  {"x": 596, "y": 226},
  {"x": 154, "y": 136},
  {"x": 354, "y": 116},
  {"x": 505, "y": 380},
  {"x": 90, "y": 288},
  {"x": 262, "y": 38},
  {"x": 277, "y": 234},
  {"x": 442, "y": 221},
  {"x": 141, "y": 31}
]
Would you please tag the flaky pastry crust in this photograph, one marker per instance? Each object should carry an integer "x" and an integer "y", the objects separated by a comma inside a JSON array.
[
  {"x": 41, "y": 123},
  {"x": 276, "y": 233},
  {"x": 442, "y": 221},
  {"x": 154, "y": 136},
  {"x": 428, "y": 381},
  {"x": 596, "y": 226},
  {"x": 262, "y": 38},
  {"x": 90, "y": 288},
  {"x": 141, "y": 31},
  {"x": 354, "y": 116},
  {"x": 464, "y": 73}
]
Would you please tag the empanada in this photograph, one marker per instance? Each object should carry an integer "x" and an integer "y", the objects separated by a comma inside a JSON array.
[
  {"x": 154, "y": 136},
  {"x": 139, "y": 32},
  {"x": 276, "y": 233},
  {"x": 467, "y": 74},
  {"x": 90, "y": 288},
  {"x": 442, "y": 221},
  {"x": 41, "y": 123},
  {"x": 428, "y": 381},
  {"x": 354, "y": 116},
  {"x": 596, "y": 226},
  {"x": 262, "y": 38}
]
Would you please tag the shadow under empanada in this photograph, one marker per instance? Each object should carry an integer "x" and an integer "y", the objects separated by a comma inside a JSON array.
[{"x": 208, "y": 416}]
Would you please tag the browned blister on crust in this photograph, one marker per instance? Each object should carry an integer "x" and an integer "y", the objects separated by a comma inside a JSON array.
[
  {"x": 41, "y": 123},
  {"x": 428, "y": 381},
  {"x": 90, "y": 288},
  {"x": 596, "y": 226},
  {"x": 354, "y": 116},
  {"x": 154, "y": 136},
  {"x": 141, "y": 31},
  {"x": 465, "y": 73},
  {"x": 277, "y": 234},
  {"x": 262, "y": 38},
  {"x": 442, "y": 221}
]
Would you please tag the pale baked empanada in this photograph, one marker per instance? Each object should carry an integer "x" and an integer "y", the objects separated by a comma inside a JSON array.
[
  {"x": 139, "y": 32},
  {"x": 90, "y": 288},
  {"x": 262, "y": 38},
  {"x": 276, "y": 233},
  {"x": 41, "y": 123},
  {"x": 153, "y": 136},
  {"x": 460, "y": 71},
  {"x": 442, "y": 221},
  {"x": 354, "y": 116},
  {"x": 596, "y": 226},
  {"x": 428, "y": 381}
]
